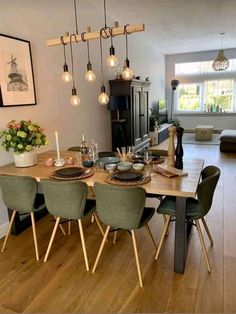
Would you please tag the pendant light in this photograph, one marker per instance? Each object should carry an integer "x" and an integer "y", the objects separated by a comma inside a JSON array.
[
  {"x": 74, "y": 100},
  {"x": 221, "y": 63},
  {"x": 103, "y": 98},
  {"x": 112, "y": 60},
  {"x": 127, "y": 73},
  {"x": 66, "y": 76},
  {"x": 89, "y": 75}
]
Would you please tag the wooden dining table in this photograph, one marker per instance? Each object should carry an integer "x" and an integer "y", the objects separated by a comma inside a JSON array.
[{"x": 181, "y": 186}]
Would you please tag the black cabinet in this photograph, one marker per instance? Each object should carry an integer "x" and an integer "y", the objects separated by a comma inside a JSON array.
[{"x": 132, "y": 123}]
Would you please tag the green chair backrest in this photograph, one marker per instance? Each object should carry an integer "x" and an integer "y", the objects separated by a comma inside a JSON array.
[
  {"x": 18, "y": 192},
  {"x": 65, "y": 199},
  {"x": 206, "y": 188},
  {"x": 119, "y": 207}
]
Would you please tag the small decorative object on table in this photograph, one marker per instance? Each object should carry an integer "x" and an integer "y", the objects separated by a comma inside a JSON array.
[
  {"x": 179, "y": 152},
  {"x": 59, "y": 161},
  {"x": 49, "y": 162},
  {"x": 22, "y": 137}
]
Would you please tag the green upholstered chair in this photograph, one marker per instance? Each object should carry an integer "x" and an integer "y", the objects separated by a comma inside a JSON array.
[
  {"x": 196, "y": 208},
  {"x": 122, "y": 208},
  {"x": 68, "y": 199},
  {"x": 19, "y": 194}
]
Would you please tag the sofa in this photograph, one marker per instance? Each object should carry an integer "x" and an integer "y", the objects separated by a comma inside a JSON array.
[{"x": 228, "y": 141}]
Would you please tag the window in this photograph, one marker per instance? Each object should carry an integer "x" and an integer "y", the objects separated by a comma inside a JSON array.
[
  {"x": 218, "y": 96},
  {"x": 203, "y": 90},
  {"x": 189, "y": 98}
]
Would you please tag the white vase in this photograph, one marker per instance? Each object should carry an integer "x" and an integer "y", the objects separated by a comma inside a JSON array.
[{"x": 25, "y": 159}]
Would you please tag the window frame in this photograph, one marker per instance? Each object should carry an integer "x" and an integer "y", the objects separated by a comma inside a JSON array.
[{"x": 201, "y": 79}]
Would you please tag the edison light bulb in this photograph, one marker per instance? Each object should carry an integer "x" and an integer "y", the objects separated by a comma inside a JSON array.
[
  {"x": 74, "y": 100},
  {"x": 66, "y": 77},
  {"x": 127, "y": 74},
  {"x": 90, "y": 76},
  {"x": 112, "y": 61},
  {"x": 103, "y": 98}
]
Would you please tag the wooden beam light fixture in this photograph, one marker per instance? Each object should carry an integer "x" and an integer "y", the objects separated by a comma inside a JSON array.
[{"x": 112, "y": 61}]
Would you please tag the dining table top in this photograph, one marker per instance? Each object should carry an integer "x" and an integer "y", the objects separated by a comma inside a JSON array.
[{"x": 183, "y": 186}]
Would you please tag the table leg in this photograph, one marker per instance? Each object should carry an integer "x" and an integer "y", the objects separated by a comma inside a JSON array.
[{"x": 182, "y": 232}]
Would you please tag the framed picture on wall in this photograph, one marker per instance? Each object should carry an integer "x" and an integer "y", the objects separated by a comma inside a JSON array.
[{"x": 17, "y": 86}]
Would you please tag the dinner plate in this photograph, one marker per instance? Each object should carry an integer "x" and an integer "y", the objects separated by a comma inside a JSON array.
[
  {"x": 128, "y": 176},
  {"x": 69, "y": 172}
]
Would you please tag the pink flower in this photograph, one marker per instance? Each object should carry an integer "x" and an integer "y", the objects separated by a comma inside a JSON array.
[{"x": 18, "y": 126}]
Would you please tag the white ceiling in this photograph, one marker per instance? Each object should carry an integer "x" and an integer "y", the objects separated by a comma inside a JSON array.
[{"x": 177, "y": 26}]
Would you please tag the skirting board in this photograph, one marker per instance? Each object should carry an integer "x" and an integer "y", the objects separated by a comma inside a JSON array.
[{"x": 3, "y": 230}]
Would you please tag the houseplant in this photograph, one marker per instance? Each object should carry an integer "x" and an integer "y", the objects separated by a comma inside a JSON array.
[
  {"x": 153, "y": 117},
  {"x": 22, "y": 137}
]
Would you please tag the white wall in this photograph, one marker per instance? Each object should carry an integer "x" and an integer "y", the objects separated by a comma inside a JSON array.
[
  {"x": 190, "y": 121},
  {"x": 37, "y": 21}
]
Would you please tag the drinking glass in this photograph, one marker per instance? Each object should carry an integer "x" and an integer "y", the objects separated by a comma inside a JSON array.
[
  {"x": 123, "y": 152},
  {"x": 148, "y": 159}
]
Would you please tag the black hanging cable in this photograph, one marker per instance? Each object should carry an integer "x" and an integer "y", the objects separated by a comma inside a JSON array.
[
  {"x": 65, "y": 66},
  {"x": 126, "y": 45},
  {"x": 105, "y": 13},
  {"x": 105, "y": 32},
  {"x": 101, "y": 54},
  {"x": 76, "y": 20},
  {"x": 88, "y": 49},
  {"x": 126, "y": 40},
  {"x": 111, "y": 33},
  {"x": 72, "y": 59},
  {"x": 64, "y": 48}
]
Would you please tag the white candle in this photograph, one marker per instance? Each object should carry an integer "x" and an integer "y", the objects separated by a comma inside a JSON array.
[{"x": 57, "y": 145}]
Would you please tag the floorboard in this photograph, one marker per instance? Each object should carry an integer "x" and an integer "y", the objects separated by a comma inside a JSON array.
[{"x": 62, "y": 285}]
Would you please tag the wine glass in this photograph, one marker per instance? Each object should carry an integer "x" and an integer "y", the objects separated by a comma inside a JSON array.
[{"x": 148, "y": 159}]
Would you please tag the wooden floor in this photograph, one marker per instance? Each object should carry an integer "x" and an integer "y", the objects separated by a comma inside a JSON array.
[{"x": 62, "y": 285}]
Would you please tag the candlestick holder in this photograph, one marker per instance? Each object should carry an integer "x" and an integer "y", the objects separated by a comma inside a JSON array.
[{"x": 59, "y": 162}]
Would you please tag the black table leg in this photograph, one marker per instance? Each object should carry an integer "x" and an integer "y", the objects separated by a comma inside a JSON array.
[{"x": 181, "y": 235}]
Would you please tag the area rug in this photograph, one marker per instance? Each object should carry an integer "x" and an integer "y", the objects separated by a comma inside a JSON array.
[{"x": 189, "y": 138}]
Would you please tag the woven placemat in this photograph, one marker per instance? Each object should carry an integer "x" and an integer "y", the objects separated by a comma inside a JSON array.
[
  {"x": 83, "y": 176},
  {"x": 109, "y": 179}
]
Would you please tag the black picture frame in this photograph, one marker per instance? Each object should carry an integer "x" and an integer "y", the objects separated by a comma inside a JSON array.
[{"x": 17, "y": 85}]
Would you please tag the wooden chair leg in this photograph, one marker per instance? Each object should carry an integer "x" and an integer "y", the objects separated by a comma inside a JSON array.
[
  {"x": 52, "y": 238},
  {"x": 35, "y": 236},
  {"x": 101, "y": 248},
  {"x": 137, "y": 258},
  {"x": 115, "y": 236},
  {"x": 151, "y": 236},
  {"x": 207, "y": 230},
  {"x": 8, "y": 230},
  {"x": 165, "y": 219},
  {"x": 69, "y": 227},
  {"x": 83, "y": 244},
  {"x": 163, "y": 236},
  {"x": 98, "y": 223},
  {"x": 203, "y": 245},
  {"x": 60, "y": 226}
]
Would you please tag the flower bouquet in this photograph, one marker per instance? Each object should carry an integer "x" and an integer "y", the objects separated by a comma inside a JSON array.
[{"x": 22, "y": 137}]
